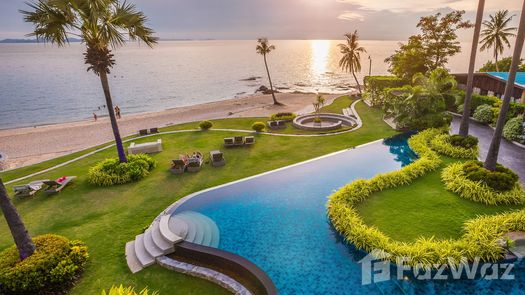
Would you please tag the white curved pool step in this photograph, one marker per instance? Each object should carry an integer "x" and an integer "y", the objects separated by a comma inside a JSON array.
[
  {"x": 143, "y": 256},
  {"x": 150, "y": 245},
  {"x": 159, "y": 240},
  {"x": 131, "y": 258},
  {"x": 200, "y": 229}
]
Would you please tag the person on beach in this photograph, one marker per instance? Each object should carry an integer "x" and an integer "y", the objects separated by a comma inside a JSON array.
[
  {"x": 95, "y": 116},
  {"x": 117, "y": 112}
]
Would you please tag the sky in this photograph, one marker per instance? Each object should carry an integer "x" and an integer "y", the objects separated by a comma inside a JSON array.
[{"x": 280, "y": 19}]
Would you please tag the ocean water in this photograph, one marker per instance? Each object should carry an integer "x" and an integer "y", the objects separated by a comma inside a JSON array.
[
  {"x": 278, "y": 221},
  {"x": 42, "y": 84}
]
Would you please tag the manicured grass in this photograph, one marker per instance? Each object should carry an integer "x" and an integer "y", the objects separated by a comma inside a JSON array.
[
  {"x": 423, "y": 208},
  {"x": 106, "y": 218}
]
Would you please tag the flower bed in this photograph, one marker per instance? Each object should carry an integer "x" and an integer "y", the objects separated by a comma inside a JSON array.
[
  {"x": 456, "y": 180},
  {"x": 480, "y": 235},
  {"x": 55, "y": 265},
  {"x": 444, "y": 144}
]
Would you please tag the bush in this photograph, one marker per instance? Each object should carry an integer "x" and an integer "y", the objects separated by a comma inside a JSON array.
[
  {"x": 121, "y": 290},
  {"x": 513, "y": 130},
  {"x": 478, "y": 100},
  {"x": 376, "y": 85},
  {"x": 54, "y": 266},
  {"x": 480, "y": 235},
  {"x": 502, "y": 179},
  {"x": 205, "y": 125},
  {"x": 484, "y": 114},
  {"x": 469, "y": 181},
  {"x": 258, "y": 126},
  {"x": 456, "y": 146},
  {"x": 111, "y": 171},
  {"x": 288, "y": 117}
]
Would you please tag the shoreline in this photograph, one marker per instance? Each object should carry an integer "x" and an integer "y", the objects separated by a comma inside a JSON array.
[{"x": 30, "y": 145}]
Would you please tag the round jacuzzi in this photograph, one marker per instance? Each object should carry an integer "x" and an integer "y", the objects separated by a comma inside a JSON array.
[{"x": 328, "y": 122}]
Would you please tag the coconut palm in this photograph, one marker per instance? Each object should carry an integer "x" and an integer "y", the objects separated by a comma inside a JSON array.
[
  {"x": 264, "y": 48},
  {"x": 23, "y": 240},
  {"x": 464, "y": 126},
  {"x": 351, "y": 60},
  {"x": 496, "y": 34},
  {"x": 492, "y": 154},
  {"x": 103, "y": 25}
]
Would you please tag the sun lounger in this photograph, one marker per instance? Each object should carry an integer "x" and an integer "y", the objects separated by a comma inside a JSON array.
[
  {"x": 249, "y": 140},
  {"x": 178, "y": 166},
  {"x": 145, "y": 148},
  {"x": 54, "y": 187},
  {"x": 143, "y": 132},
  {"x": 238, "y": 140},
  {"x": 279, "y": 124},
  {"x": 28, "y": 190},
  {"x": 228, "y": 142},
  {"x": 217, "y": 159},
  {"x": 153, "y": 130},
  {"x": 194, "y": 164}
]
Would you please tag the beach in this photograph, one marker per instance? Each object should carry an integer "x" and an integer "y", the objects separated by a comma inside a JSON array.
[{"x": 30, "y": 145}]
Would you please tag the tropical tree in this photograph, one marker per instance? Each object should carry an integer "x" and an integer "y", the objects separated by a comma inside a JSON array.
[
  {"x": 264, "y": 48},
  {"x": 409, "y": 59},
  {"x": 351, "y": 60},
  {"x": 23, "y": 240},
  {"x": 318, "y": 105},
  {"x": 464, "y": 126},
  {"x": 103, "y": 25},
  {"x": 496, "y": 34},
  {"x": 493, "y": 152}
]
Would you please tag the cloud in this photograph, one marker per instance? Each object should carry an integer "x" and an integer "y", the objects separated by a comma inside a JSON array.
[
  {"x": 351, "y": 15},
  {"x": 399, "y": 6}
]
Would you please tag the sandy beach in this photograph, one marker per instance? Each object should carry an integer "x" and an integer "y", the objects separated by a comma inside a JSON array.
[{"x": 30, "y": 145}]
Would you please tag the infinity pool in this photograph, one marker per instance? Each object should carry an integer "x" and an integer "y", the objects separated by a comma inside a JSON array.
[{"x": 278, "y": 221}]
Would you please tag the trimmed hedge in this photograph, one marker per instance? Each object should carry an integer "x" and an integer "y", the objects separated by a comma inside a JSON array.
[
  {"x": 258, "y": 126},
  {"x": 376, "y": 85},
  {"x": 205, "y": 125},
  {"x": 121, "y": 290},
  {"x": 110, "y": 171},
  {"x": 484, "y": 114},
  {"x": 285, "y": 116},
  {"x": 453, "y": 146},
  {"x": 513, "y": 130},
  {"x": 502, "y": 179},
  {"x": 479, "y": 240},
  {"x": 55, "y": 265},
  {"x": 455, "y": 179}
]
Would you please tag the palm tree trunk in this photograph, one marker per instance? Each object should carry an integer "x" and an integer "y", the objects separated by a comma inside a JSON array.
[
  {"x": 357, "y": 81},
  {"x": 496, "y": 57},
  {"x": 275, "y": 102},
  {"x": 492, "y": 155},
  {"x": 463, "y": 128},
  {"x": 114, "y": 125},
  {"x": 23, "y": 240}
]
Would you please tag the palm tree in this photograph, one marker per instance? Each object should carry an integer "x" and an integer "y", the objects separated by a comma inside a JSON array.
[
  {"x": 496, "y": 34},
  {"x": 351, "y": 60},
  {"x": 102, "y": 25},
  {"x": 23, "y": 241},
  {"x": 464, "y": 126},
  {"x": 492, "y": 154},
  {"x": 264, "y": 48}
]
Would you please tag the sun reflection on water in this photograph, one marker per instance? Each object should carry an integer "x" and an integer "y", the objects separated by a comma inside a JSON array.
[{"x": 320, "y": 51}]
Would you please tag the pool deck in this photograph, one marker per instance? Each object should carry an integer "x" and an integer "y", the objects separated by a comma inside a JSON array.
[{"x": 510, "y": 155}]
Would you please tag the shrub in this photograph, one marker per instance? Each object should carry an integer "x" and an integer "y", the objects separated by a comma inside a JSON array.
[
  {"x": 484, "y": 114},
  {"x": 111, "y": 171},
  {"x": 456, "y": 146},
  {"x": 478, "y": 100},
  {"x": 56, "y": 263},
  {"x": 121, "y": 290},
  {"x": 502, "y": 179},
  {"x": 513, "y": 130},
  {"x": 283, "y": 116},
  {"x": 205, "y": 125},
  {"x": 376, "y": 85},
  {"x": 466, "y": 179},
  {"x": 258, "y": 126}
]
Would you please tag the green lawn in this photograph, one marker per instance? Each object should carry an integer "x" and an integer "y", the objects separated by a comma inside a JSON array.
[
  {"x": 107, "y": 218},
  {"x": 423, "y": 208}
]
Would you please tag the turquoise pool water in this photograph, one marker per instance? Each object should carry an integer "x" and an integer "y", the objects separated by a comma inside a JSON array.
[{"x": 279, "y": 222}]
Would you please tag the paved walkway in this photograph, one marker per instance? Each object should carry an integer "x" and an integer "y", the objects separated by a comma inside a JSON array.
[{"x": 510, "y": 155}]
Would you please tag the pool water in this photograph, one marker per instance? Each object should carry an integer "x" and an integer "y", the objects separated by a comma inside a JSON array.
[{"x": 278, "y": 221}]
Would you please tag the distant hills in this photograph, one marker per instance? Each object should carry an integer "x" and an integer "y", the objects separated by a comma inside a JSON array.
[{"x": 31, "y": 40}]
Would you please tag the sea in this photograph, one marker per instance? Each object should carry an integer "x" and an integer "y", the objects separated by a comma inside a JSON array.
[{"x": 43, "y": 84}]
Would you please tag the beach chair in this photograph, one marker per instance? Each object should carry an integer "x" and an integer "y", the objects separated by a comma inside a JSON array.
[
  {"x": 194, "y": 164},
  {"x": 153, "y": 130},
  {"x": 272, "y": 125},
  {"x": 228, "y": 142},
  {"x": 238, "y": 141},
  {"x": 28, "y": 190},
  {"x": 54, "y": 187},
  {"x": 178, "y": 166},
  {"x": 143, "y": 132},
  {"x": 217, "y": 159},
  {"x": 281, "y": 124},
  {"x": 249, "y": 140}
]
